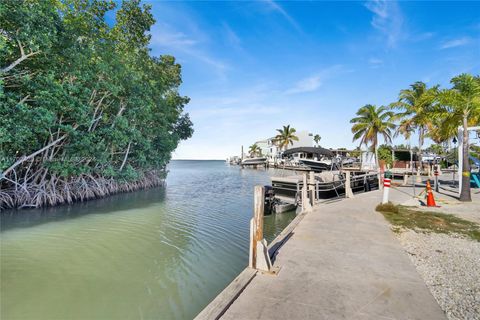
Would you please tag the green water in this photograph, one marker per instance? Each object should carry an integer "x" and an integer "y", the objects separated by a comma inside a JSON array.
[{"x": 163, "y": 253}]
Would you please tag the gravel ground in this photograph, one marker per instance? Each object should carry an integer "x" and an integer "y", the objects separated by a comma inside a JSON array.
[{"x": 450, "y": 266}]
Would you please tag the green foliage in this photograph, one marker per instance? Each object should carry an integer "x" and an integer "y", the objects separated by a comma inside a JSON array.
[
  {"x": 370, "y": 122},
  {"x": 285, "y": 137},
  {"x": 254, "y": 150},
  {"x": 436, "y": 148},
  {"x": 385, "y": 154},
  {"x": 414, "y": 107},
  {"x": 67, "y": 75}
]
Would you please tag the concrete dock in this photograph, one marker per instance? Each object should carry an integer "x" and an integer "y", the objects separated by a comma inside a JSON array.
[{"x": 342, "y": 262}]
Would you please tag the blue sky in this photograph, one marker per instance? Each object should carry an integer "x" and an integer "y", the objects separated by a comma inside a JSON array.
[{"x": 251, "y": 67}]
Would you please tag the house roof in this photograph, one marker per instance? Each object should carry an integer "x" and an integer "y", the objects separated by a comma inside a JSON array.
[{"x": 314, "y": 150}]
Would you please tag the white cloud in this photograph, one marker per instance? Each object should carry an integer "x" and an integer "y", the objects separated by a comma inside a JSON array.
[
  {"x": 276, "y": 7},
  {"x": 232, "y": 38},
  {"x": 312, "y": 83},
  {"x": 375, "y": 62},
  {"x": 192, "y": 44},
  {"x": 387, "y": 18},
  {"x": 455, "y": 43},
  {"x": 172, "y": 39},
  {"x": 421, "y": 36},
  {"x": 307, "y": 85}
]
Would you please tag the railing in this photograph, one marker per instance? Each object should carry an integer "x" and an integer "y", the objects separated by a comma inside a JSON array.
[{"x": 292, "y": 188}]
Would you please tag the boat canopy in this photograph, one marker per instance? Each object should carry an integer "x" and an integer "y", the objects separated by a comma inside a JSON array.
[{"x": 314, "y": 150}]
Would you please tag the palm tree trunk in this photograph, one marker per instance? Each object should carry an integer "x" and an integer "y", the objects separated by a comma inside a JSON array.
[
  {"x": 465, "y": 194},
  {"x": 419, "y": 156},
  {"x": 377, "y": 162}
]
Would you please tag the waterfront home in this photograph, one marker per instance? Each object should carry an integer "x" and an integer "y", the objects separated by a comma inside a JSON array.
[{"x": 272, "y": 152}]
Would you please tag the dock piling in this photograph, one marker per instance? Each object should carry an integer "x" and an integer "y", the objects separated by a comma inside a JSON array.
[
  {"x": 311, "y": 187},
  {"x": 306, "y": 207},
  {"x": 348, "y": 186},
  {"x": 258, "y": 258}
]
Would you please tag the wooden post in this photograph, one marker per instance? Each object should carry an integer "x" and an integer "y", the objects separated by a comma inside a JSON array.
[
  {"x": 419, "y": 170},
  {"x": 305, "y": 203},
  {"x": 405, "y": 174},
  {"x": 259, "y": 258},
  {"x": 253, "y": 246},
  {"x": 311, "y": 187},
  {"x": 348, "y": 186},
  {"x": 259, "y": 199}
]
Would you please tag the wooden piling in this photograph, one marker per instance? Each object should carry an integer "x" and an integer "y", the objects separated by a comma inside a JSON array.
[
  {"x": 311, "y": 187},
  {"x": 305, "y": 201},
  {"x": 257, "y": 234},
  {"x": 348, "y": 186}
]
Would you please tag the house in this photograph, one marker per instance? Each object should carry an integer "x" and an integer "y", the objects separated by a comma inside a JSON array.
[
  {"x": 305, "y": 139},
  {"x": 272, "y": 151}
]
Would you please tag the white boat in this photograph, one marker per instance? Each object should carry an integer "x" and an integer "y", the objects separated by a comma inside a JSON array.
[
  {"x": 320, "y": 165},
  {"x": 254, "y": 161}
]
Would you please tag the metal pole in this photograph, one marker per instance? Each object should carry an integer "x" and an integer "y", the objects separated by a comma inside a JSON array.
[
  {"x": 411, "y": 165},
  {"x": 460, "y": 158}
]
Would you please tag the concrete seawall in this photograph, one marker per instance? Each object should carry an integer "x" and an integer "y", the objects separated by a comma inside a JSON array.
[{"x": 340, "y": 262}]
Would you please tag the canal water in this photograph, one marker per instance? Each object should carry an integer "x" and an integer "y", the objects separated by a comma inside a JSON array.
[{"x": 162, "y": 253}]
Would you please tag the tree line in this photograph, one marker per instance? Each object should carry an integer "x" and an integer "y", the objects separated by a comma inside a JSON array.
[
  {"x": 85, "y": 110},
  {"x": 432, "y": 112}
]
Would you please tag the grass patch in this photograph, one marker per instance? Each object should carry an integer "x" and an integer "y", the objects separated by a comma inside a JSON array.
[{"x": 424, "y": 221}]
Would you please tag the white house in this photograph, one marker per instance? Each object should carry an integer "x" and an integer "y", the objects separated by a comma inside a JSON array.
[
  {"x": 305, "y": 139},
  {"x": 271, "y": 151},
  {"x": 268, "y": 148}
]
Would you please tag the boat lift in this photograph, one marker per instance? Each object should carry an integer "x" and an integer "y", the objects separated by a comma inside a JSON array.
[{"x": 327, "y": 185}]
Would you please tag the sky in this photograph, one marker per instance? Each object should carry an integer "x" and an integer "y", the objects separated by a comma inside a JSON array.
[{"x": 252, "y": 67}]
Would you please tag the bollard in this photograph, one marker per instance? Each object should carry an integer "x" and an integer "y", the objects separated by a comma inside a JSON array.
[
  {"x": 405, "y": 179},
  {"x": 419, "y": 178},
  {"x": 348, "y": 186},
  {"x": 306, "y": 207},
  {"x": 386, "y": 187},
  {"x": 311, "y": 187},
  {"x": 436, "y": 173},
  {"x": 405, "y": 174},
  {"x": 258, "y": 257}
]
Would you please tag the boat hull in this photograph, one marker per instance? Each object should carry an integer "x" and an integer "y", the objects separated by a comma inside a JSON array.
[
  {"x": 316, "y": 165},
  {"x": 254, "y": 161}
]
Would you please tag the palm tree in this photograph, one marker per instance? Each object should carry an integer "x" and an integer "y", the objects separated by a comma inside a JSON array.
[
  {"x": 317, "y": 138},
  {"x": 416, "y": 106},
  {"x": 254, "y": 150},
  {"x": 369, "y": 123},
  {"x": 285, "y": 137},
  {"x": 462, "y": 108}
]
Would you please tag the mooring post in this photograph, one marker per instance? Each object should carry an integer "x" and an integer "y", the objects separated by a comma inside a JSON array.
[
  {"x": 405, "y": 174},
  {"x": 259, "y": 258},
  {"x": 348, "y": 186},
  {"x": 311, "y": 187},
  {"x": 305, "y": 203},
  {"x": 256, "y": 231},
  {"x": 386, "y": 189},
  {"x": 436, "y": 173},
  {"x": 419, "y": 170}
]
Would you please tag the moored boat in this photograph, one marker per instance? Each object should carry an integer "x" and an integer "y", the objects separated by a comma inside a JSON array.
[
  {"x": 255, "y": 161},
  {"x": 317, "y": 165}
]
